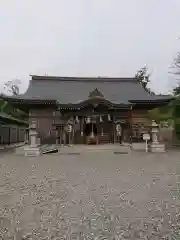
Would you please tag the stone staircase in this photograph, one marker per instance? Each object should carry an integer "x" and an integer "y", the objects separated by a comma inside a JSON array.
[
  {"x": 91, "y": 141},
  {"x": 100, "y": 139},
  {"x": 104, "y": 139}
]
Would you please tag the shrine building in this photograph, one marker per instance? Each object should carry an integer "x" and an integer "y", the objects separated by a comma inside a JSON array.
[{"x": 85, "y": 110}]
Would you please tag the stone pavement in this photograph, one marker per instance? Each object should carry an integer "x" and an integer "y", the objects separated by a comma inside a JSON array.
[
  {"x": 90, "y": 196},
  {"x": 81, "y": 149},
  {"x": 78, "y": 149}
]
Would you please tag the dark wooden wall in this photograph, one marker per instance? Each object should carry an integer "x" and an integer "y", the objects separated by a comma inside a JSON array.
[
  {"x": 47, "y": 118},
  {"x": 140, "y": 123},
  {"x": 10, "y": 134},
  {"x": 44, "y": 118}
]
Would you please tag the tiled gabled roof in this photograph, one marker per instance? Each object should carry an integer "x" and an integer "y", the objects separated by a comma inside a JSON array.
[{"x": 69, "y": 90}]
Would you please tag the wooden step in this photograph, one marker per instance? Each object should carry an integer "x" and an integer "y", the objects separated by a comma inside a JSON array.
[
  {"x": 92, "y": 141},
  {"x": 104, "y": 139},
  {"x": 101, "y": 139}
]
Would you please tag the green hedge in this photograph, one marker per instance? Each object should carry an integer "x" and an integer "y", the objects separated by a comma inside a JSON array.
[
  {"x": 177, "y": 129},
  {"x": 177, "y": 111}
]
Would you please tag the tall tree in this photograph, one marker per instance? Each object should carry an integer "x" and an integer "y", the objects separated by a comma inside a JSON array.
[
  {"x": 176, "y": 66},
  {"x": 176, "y": 90},
  {"x": 143, "y": 77},
  {"x": 13, "y": 86}
]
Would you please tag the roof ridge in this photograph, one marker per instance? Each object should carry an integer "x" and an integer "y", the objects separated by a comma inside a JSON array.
[{"x": 84, "y": 79}]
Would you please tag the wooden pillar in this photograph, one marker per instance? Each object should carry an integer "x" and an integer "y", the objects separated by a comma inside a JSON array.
[
  {"x": 28, "y": 140},
  {"x": 25, "y": 136},
  {"x": 130, "y": 125},
  {"x": 83, "y": 140},
  {"x": 63, "y": 132},
  {"x": 9, "y": 135},
  {"x": 60, "y": 134},
  {"x": 64, "y": 137},
  {"x": 17, "y": 134},
  {"x": 73, "y": 132},
  {"x": 1, "y": 133},
  {"x": 114, "y": 134},
  {"x": 57, "y": 136}
]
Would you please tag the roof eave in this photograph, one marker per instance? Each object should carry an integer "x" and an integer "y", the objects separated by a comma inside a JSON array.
[
  {"x": 27, "y": 100},
  {"x": 87, "y": 102},
  {"x": 10, "y": 119},
  {"x": 153, "y": 101},
  {"x": 82, "y": 79}
]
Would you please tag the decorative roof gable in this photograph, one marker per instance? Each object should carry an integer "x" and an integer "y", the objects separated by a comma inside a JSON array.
[{"x": 96, "y": 94}]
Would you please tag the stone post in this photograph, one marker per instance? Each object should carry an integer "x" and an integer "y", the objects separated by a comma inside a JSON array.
[{"x": 26, "y": 137}]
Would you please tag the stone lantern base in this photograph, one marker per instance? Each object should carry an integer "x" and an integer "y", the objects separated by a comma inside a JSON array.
[
  {"x": 32, "y": 151},
  {"x": 157, "y": 147}
]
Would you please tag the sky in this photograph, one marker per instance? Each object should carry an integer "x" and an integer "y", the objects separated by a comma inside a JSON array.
[{"x": 112, "y": 38}]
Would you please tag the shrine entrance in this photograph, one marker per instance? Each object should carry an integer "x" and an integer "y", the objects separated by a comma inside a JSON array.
[
  {"x": 94, "y": 121},
  {"x": 91, "y": 133},
  {"x": 90, "y": 129}
]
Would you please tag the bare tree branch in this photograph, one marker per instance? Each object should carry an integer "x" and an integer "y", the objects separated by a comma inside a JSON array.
[
  {"x": 13, "y": 86},
  {"x": 176, "y": 64},
  {"x": 176, "y": 71}
]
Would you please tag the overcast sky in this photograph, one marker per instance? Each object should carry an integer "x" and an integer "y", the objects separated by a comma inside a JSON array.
[{"x": 88, "y": 38}]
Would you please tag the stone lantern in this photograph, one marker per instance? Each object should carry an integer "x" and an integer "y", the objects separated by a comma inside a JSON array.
[
  {"x": 33, "y": 135},
  {"x": 33, "y": 149},
  {"x": 155, "y": 132},
  {"x": 156, "y": 146}
]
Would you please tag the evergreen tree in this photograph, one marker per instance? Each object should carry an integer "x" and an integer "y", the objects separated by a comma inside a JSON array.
[
  {"x": 143, "y": 77},
  {"x": 176, "y": 66}
]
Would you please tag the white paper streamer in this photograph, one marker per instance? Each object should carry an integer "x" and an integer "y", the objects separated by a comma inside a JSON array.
[
  {"x": 77, "y": 119},
  {"x": 102, "y": 133},
  {"x": 88, "y": 120}
]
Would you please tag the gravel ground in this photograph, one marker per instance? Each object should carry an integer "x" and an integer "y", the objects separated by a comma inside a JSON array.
[{"x": 90, "y": 196}]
